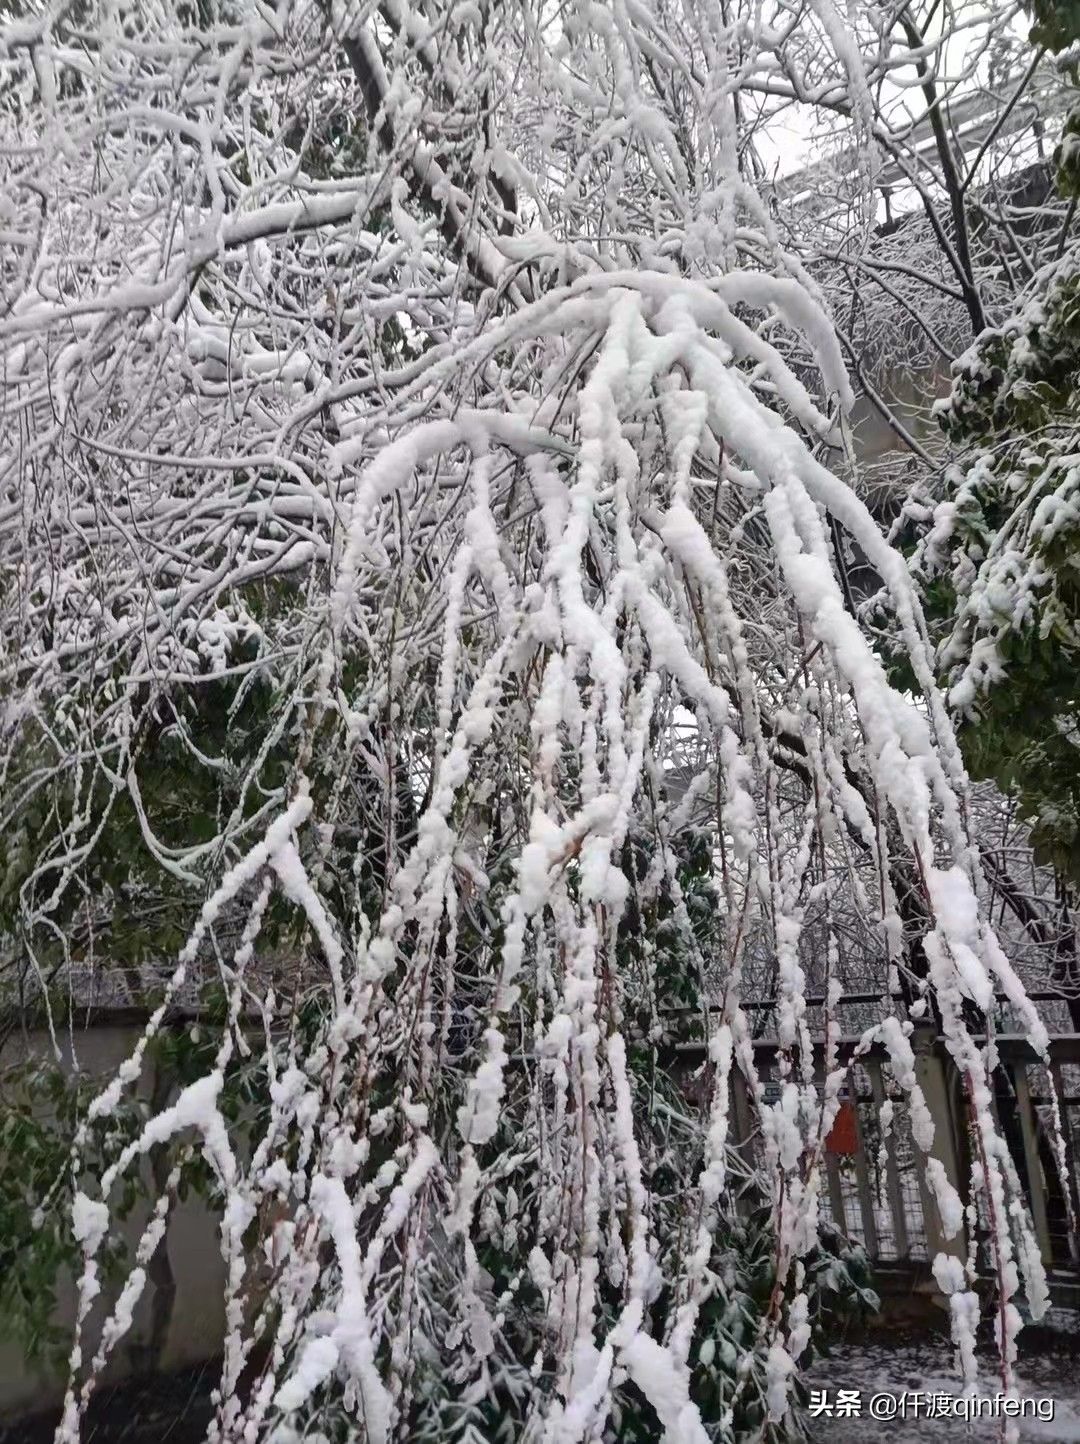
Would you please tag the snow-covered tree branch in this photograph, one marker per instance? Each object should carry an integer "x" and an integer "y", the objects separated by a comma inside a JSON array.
[{"x": 415, "y": 425}]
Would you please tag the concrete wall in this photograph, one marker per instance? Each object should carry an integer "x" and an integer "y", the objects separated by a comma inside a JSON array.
[
  {"x": 196, "y": 1327},
  {"x": 908, "y": 397}
]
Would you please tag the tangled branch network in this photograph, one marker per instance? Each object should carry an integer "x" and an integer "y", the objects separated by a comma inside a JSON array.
[{"x": 413, "y": 433}]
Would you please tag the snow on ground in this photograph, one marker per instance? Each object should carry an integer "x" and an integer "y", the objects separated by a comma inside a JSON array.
[{"x": 883, "y": 1363}]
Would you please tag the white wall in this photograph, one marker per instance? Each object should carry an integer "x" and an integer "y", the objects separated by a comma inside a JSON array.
[{"x": 196, "y": 1329}]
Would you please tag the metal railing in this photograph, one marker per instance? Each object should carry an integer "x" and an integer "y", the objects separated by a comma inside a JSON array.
[{"x": 875, "y": 1186}]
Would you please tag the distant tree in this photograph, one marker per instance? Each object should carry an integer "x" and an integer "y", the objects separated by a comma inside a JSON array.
[{"x": 998, "y": 553}]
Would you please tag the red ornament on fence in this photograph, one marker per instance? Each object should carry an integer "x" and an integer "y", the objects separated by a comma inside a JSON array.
[{"x": 844, "y": 1134}]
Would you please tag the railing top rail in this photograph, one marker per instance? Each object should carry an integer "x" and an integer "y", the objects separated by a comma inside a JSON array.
[
  {"x": 753, "y": 1005},
  {"x": 1011, "y": 1047}
]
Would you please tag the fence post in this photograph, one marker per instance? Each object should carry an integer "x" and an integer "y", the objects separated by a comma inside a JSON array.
[
  {"x": 1068, "y": 1183},
  {"x": 865, "y": 1188},
  {"x": 932, "y": 1068},
  {"x": 901, "y": 1242},
  {"x": 742, "y": 1117},
  {"x": 1036, "y": 1181}
]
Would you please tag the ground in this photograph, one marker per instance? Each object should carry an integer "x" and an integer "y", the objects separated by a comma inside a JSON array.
[
  {"x": 175, "y": 1409},
  {"x": 1049, "y": 1369}
]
